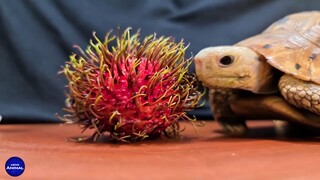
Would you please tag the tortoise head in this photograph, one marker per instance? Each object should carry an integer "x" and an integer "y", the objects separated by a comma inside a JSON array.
[{"x": 235, "y": 67}]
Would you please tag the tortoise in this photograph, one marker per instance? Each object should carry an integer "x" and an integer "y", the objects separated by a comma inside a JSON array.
[{"x": 272, "y": 75}]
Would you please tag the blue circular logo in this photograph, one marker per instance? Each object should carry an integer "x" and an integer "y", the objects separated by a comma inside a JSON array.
[{"x": 15, "y": 166}]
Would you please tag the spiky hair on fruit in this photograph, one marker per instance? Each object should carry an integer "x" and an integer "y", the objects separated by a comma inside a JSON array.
[{"x": 133, "y": 90}]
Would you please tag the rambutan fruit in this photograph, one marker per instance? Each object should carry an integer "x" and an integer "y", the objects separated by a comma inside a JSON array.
[{"x": 133, "y": 90}]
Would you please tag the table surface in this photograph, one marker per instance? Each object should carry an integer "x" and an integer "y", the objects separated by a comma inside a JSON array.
[{"x": 206, "y": 155}]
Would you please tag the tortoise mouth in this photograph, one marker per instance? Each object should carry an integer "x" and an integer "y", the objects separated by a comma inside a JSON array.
[
  {"x": 234, "y": 82},
  {"x": 245, "y": 76}
]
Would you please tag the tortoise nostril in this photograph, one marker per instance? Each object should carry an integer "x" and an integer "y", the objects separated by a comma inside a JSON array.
[
  {"x": 226, "y": 61},
  {"x": 197, "y": 61}
]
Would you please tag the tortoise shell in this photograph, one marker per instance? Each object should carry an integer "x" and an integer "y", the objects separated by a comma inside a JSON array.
[{"x": 292, "y": 45}]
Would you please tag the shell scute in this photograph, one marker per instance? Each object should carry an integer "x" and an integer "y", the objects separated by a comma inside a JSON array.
[{"x": 292, "y": 45}]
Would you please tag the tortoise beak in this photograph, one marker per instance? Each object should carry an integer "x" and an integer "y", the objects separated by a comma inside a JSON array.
[
  {"x": 198, "y": 66},
  {"x": 204, "y": 63}
]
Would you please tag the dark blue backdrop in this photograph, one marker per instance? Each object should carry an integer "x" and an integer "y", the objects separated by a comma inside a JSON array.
[{"x": 36, "y": 38}]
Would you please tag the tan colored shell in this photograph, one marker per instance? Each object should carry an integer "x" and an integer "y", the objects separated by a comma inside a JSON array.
[{"x": 292, "y": 45}]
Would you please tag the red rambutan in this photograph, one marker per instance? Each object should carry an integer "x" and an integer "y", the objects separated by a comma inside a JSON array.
[{"x": 133, "y": 90}]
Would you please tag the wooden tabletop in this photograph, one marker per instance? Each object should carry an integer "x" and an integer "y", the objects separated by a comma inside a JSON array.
[{"x": 209, "y": 155}]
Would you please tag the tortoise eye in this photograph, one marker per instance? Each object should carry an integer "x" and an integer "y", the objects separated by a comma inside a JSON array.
[{"x": 226, "y": 61}]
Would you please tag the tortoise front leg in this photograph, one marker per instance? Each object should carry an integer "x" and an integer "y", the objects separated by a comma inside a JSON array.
[
  {"x": 302, "y": 94},
  {"x": 223, "y": 114}
]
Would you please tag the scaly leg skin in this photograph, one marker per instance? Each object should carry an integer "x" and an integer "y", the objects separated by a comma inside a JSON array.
[
  {"x": 232, "y": 124},
  {"x": 304, "y": 95}
]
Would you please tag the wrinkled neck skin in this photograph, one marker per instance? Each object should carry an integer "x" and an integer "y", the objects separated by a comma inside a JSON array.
[
  {"x": 248, "y": 69},
  {"x": 265, "y": 83}
]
